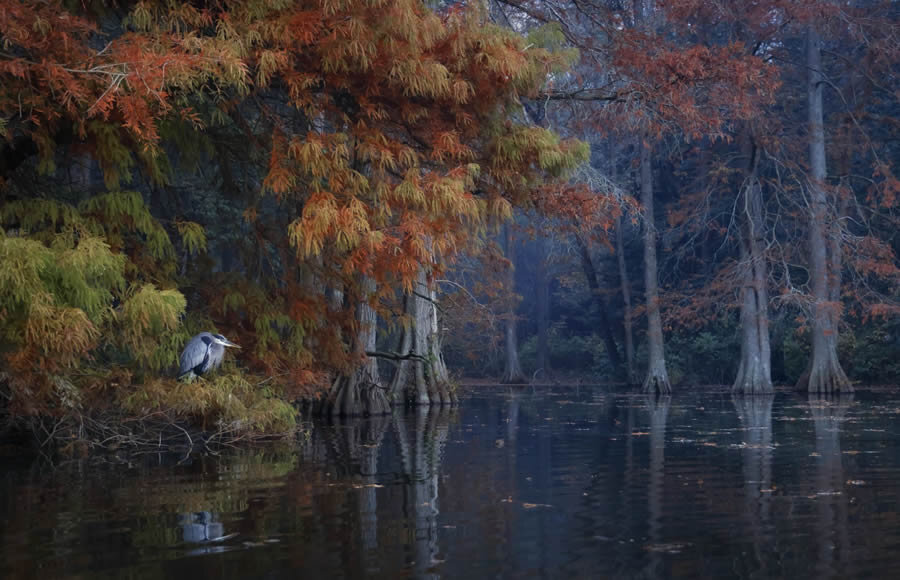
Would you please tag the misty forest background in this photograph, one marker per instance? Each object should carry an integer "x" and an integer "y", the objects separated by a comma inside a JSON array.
[{"x": 376, "y": 199}]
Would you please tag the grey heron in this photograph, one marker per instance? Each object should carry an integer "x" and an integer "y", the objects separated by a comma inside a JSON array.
[{"x": 204, "y": 352}]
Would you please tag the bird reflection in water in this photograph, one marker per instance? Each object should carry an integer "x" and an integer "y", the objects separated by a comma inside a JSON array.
[{"x": 202, "y": 528}]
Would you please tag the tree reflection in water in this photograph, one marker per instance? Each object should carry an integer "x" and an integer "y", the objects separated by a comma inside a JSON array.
[
  {"x": 353, "y": 447},
  {"x": 421, "y": 451},
  {"x": 520, "y": 486},
  {"x": 658, "y": 407},
  {"x": 755, "y": 414},
  {"x": 829, "y": 414}
]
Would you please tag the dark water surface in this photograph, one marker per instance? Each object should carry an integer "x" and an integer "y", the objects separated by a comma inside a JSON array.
[{"x": 568, "y": 484}]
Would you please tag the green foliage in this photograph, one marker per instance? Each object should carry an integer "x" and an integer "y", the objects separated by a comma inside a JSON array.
[
  {"x": 56, "y": 292},
  {"x": 795, "y": 354},
  {"x": 149, "y": 319},
  {"x": 551, "y": 38},
  {"x": 66, "y": 301},
  {"x": 124, "y": 218},
  {"x": 869, "y": 353},
  {"x": 227, "y": 401},
  {"x": 193, "y": 236},
  {"x": 709, "y": 356}
]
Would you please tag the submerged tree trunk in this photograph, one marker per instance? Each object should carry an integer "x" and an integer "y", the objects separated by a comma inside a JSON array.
[
  {"x": 626, "y": 300},
  {"x": 754, "y": 376},
  {"x": 360, "y": 392},
  {"x": 512, "y": 369},
  {"x": 423, "y": 378},
  {"x": 824, "y": 374},
  {"x": 657, "y": 380}
]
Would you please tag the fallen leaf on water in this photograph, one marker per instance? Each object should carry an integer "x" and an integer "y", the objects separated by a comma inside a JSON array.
[
  {"x": 853, "y": 452},
  {"x": 709, "y": 444},
  {"x": 855, "y": 482},
  {"x": 529, "y": 506},
  {"x": 670, "y": 548},
  {"x": 637, "y": 433}
]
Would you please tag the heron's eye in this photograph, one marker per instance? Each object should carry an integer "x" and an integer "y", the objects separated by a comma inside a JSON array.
[{"x": 219, "y": 336}]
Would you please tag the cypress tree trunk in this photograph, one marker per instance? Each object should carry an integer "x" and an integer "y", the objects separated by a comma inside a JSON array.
[
  {"x": 400, "y": 380},
  {"x": 593, "y": 280},
  {"x": 754, "y": 374},
  {"x": 512, "y": 372},
  {"x": 824, "y": 374},
  {"x": 626, "y": 300},
  {"x": 360, "y": 392},
  {"x": 543, "y": 311},
  {"x": 423, "y": 380},
  {"x": 657, "y": 380}
]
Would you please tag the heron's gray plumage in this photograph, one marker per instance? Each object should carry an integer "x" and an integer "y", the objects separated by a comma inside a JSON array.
[{"x": 203, "y": 353}]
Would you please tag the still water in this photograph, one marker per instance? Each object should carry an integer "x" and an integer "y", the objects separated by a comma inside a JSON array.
[{"x": 580, "y": 483}]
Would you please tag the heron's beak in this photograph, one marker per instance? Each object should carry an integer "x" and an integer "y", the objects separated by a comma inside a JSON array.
[{"x": 229, "y": 343}]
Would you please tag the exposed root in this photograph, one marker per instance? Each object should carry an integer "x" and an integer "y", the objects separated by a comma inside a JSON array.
[
  {"x": 657, "y": 383},
  {"x": 355, "y": 395},
  {"x": 752, "y": 382},
  {"x": 82, "y": 435},
  {"x": 825, "y": 378}
]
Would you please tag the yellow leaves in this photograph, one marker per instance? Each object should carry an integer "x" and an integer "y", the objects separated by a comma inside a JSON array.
[
  {"x": 268, "y": 63},
  {"x": 500, "y": 208},
  {"x": 449, "y": 147},
  {"x": 462, "y": 91},
  {"x": 140, "y": 17},
  {"x": 408, "y": 157},
  {"x": 418, "y": 78},
  {"x": 149, "y": 319},
  {"x": 62, "y": 334},
  {"x": 193, "y": 236},
  {"x": 125, "y": 211},
  {"x": 408, "y": 192}
]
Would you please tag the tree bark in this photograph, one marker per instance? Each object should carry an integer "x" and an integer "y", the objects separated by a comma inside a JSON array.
[
  {"x": 626, "y": 300},
  {"x": 423, "y": 380},
  {"x": 593, "y": 280},
  {"x": 543, "y": 311},
  {"x": 400, "y": 380},
  {"x": 824, "y": 374},
  {"x": 360, "y": 392},
  {"x": 512, "y": 371},
  {"x": 754, "y": 376},
  {"x": 657, "y": 376}
]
